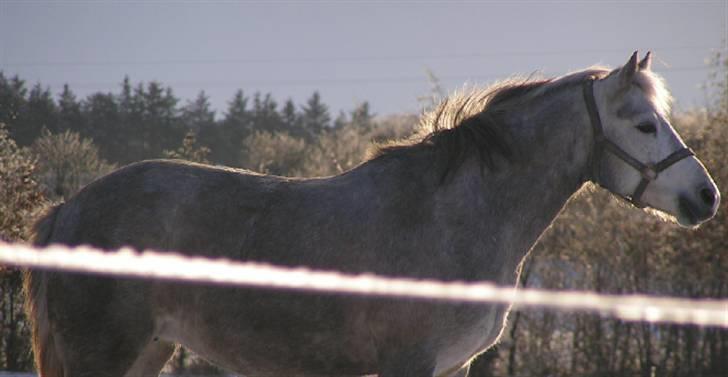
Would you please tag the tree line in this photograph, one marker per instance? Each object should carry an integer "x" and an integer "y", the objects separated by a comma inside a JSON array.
[{"x": 143, "y": 120}]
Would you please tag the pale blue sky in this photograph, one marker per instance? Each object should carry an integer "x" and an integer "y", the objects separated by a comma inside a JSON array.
[{"x": 349, "y": 51}]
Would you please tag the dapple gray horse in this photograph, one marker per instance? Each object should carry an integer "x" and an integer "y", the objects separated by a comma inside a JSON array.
[{"x": 464, "y": 200}]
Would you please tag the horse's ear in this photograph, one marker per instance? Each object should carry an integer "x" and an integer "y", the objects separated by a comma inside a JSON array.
[
  {"x": 646, "y": 62},
  {"x": 628, "y": 70}
]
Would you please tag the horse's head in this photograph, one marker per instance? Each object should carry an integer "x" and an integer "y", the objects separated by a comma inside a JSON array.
[{"x": 637, "y": 153}]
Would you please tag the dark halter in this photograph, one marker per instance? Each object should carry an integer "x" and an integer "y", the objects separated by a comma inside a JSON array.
[{"x": 649, "y": 172}]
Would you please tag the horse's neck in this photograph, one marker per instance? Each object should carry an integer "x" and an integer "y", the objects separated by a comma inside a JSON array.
[{"x": 513, "y": 206}]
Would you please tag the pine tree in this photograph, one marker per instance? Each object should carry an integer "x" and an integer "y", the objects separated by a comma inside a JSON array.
[
  {"x": 104, "y": 123},
  {"x": 291, "y": 118},
  {"x": 69, "y": 113},
  {"x": 196, "y": 115},
  {"x": 224, "y": 138},
  {"x": 361, "y": 117},
  {"x": 170, "y": 130},
  {"x": 265, "y": 114},
  {"x": 126, "y": 98},
  {"x": 134, "y": 125},
  {"x": 130, "y": 106},
  {"x": 237, "y": 115},
  {"x": 158, "y": 128},
  {"x": 315, "y": 115},
  {"x": 41, "y": 113},
  {"x": 13, "y": 102}
]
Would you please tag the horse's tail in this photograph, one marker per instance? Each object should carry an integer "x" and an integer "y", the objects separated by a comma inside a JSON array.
[{"x": 35, "y": 285}]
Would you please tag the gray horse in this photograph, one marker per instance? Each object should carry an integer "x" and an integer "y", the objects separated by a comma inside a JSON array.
[{"x": 464, "y": 200}]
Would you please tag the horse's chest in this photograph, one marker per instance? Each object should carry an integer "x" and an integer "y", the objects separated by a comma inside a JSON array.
[{"x": 473, "y": 338}]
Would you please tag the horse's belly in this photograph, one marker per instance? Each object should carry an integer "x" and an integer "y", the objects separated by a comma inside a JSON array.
[
  {"x": 479, "y": 336},
  {"x": 251, "y": 355},
  {"x": 267, "y": 333}
]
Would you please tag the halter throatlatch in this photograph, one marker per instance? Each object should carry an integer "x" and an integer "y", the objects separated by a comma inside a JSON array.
[{"x": 649, "y": 172}]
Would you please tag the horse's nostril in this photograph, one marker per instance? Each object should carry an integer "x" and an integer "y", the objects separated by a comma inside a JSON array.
[{"x": 708, "y": 196}]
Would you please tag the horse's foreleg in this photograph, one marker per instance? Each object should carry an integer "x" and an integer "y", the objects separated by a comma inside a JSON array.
[
  {"x": 463, "y": 372},
  {"x": 152, "y": 359}
]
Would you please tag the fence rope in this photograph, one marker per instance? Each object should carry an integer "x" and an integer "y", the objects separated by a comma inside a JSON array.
[{"x": 129, "y": 263}]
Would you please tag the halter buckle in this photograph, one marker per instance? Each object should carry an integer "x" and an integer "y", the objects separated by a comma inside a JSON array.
[{"x": 649, "y": 173}]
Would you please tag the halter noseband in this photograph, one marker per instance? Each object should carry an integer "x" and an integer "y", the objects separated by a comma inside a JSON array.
[{"x": 649, "y": 172}]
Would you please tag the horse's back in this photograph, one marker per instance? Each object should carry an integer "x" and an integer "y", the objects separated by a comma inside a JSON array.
[{"x": 166, "y": 205}]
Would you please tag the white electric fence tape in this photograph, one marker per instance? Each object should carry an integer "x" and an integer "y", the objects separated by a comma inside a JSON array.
[{"x": 168, "y": 266}]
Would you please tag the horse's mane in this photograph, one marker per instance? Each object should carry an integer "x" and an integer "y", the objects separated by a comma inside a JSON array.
[{"x": 473, "y": 121}]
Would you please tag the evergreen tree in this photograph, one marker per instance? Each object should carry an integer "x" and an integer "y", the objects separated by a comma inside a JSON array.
[
  {"x": 291, "y": 118},
  {"x": 13, "y": 102},
  {"x": 171, "y": 130},
  {"x": 69, "y": 113},
  {"x": 237, "y": 115},
  {"x": 126, "y": 99},
  {"x": 224, "y": 139},
  {"x": 289, "y": 114},
  {"x": 265, "y": 115},
  {"x": 136, "y": 129},
  {"x": 315, "y": 114},
  {"x": 131, "y": 115},
  {"x": 41, "y": 113},
  {"x": 158, "y": 128},
  {"x": 361, "y": 117},
  {"x": 196, "y": 115},
  {"x": 103, "y": 119}
]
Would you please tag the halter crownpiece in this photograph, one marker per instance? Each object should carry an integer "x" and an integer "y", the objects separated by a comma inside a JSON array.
[{"x": 649, "y": 172}]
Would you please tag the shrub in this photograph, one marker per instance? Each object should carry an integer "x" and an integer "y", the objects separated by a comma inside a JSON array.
[
  {"x": 20, "y": 201},
  {"x": 66, "y": 163}
]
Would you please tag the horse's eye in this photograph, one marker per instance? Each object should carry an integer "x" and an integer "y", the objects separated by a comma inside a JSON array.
[{"x": 647, "y": 127}]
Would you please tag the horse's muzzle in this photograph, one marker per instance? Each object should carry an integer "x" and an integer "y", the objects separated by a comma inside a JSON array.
[{"x": 700, "y": 207}]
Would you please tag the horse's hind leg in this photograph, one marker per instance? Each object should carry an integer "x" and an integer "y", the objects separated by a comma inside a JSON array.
[
  {"x": 152, "y": 360},
  {"x": 111, "y": 354},
  {"x": 100, "y": 326}
]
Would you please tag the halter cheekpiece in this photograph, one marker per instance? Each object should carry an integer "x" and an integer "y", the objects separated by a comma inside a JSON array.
[{"x": 649, "y": 172}]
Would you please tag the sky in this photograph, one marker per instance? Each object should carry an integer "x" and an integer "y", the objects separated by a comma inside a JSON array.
[{"x": 375, "y": 51}]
